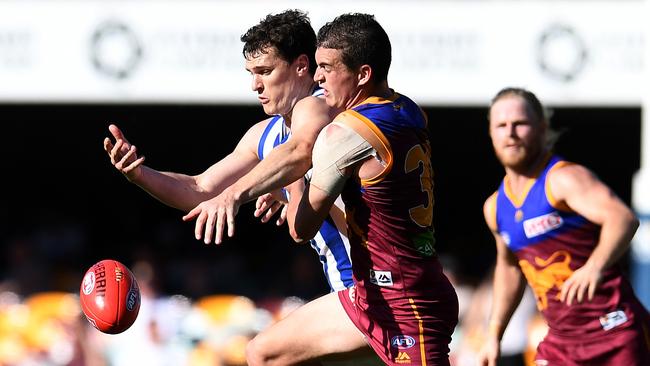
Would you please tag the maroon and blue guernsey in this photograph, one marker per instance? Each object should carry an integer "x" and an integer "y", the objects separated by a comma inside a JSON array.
[
  {"x": 550, "y": 242},
  {"x": 402, "y": 302}
]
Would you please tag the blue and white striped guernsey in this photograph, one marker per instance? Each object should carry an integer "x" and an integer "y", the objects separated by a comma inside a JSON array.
[{"x": 330, "y": 243}]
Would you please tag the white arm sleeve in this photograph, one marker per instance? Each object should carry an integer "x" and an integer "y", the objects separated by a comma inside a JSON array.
[{"x": 336, "y": 148}]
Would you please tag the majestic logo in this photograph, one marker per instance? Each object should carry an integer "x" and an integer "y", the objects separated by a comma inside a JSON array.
[
  {"x": 613, "y": 319},
  {"x": 551, "y": 274},
  {"x": 381, "y": 278},
  {"x": 89, "y": 283},
  {"x": 402, "y": 341},
  {"x": 402, "y": 357},
  {"x": 542, "y": 224}
]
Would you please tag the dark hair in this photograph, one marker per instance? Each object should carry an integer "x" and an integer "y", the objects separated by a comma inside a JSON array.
[
  {"x": 535, "y": 105},
  {"x": 289, "y": 32},
  {"x": 361, "y": 40}
]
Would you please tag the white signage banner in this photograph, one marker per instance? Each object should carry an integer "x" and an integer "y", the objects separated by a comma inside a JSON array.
[{"x": 444, "y": 52}]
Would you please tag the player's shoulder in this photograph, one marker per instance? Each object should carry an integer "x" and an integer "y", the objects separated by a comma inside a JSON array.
[
  {"x": 310, "y": 112},
  {"x": 310, "y": 102},
  {"x": 490, "y": 209},
  {"x": 567, "y": 173}
]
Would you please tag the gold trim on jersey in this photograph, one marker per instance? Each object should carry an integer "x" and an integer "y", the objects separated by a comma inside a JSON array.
[
  {"x": 379, "y": 100},
  {"x": 547, "y": 188},
  {"x": 518, "y": 200}
]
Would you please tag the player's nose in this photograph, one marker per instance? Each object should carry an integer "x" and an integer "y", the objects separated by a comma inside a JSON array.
[
  {"x": 256, "y": 83},
  {"x": 318, "y": 75}
]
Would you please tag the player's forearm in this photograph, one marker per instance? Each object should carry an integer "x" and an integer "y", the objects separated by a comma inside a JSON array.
[
  {"x": 295, "y": 192},
  {"x": 615, "y": 237},
  {"x": 508, "y": 289},
  {"x": 173, "y": 189},
  {"x": 284, "y": 165}
]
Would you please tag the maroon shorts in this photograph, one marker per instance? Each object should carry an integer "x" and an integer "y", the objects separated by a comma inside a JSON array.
[
  {"x": 628, "y": 346},
  {"x": 406, "y": 332}
]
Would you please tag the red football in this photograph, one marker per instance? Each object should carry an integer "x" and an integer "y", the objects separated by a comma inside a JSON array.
[{"x": 110, "y": 296}]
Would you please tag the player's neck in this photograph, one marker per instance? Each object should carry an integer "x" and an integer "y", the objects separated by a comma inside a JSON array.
[
  {"x": 307, "y": 90},
  {"x": 381, "y": 90},
  {"x": 519, "y": 177}
]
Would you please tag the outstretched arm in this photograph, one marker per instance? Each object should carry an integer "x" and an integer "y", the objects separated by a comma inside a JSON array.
[
  {"x": 577, "y": 188},
  {"x": 180, "y": 190},
  {"x": 507, "y": 289},
  {"x": 286, "y": 163}
]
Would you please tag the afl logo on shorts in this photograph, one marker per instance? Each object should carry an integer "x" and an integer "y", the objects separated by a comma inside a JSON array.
[
  {"x": 402, "y": 341},
  {"x": 89, "y": 283}
]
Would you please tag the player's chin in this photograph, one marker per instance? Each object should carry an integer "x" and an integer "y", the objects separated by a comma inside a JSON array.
[
  {"x": 512, "y": 160},
  {"x": 269, "y": 109}
]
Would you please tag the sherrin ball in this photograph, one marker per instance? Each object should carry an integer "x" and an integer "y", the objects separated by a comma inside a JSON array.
[{"x": 110, "y": 296}]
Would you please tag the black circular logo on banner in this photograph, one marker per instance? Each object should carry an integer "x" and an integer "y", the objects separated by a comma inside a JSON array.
[
  {"x": 115, "y": 50},
  {"x": 561, "y": 52}
]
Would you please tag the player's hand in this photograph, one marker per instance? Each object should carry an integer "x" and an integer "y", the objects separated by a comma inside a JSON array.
[
  {"x": 269, "y": 204},
  {"x": 123, "y": 154},
  {"x": 213, "y": 215},
  {"x": 583, "y": 281},
  {"x": 489, "y": 353}
]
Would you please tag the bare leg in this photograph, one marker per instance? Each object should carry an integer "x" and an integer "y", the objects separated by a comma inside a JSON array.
[{"x": 318, "y": 328}]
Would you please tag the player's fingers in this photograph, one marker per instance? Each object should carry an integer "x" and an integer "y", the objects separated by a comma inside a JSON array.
[
  {"x": 192, "y": 214},
  {"x": 571, "y": 293},
  {"x": 283, "y": 215},
  {"x": 133, "y": 165},
  {"x": 566, "y": 286},
  {"x": 116, "y": 132},
  {"x": 592, "y": 290},
  {"x": 261, "y": 209},
  {"x": 219, "y": 228},
  {"x": 230, "y": 217},
  {"x": 580, "y": 291},
  {"x": 108, "y": 145},
  {"x": 260, "y": 201},
  {"x": 270, "y": 212},
  {"x": 115, "y": 152},
  {"x": 198, "y": 227},
  {"x": 209, "y": 228}
]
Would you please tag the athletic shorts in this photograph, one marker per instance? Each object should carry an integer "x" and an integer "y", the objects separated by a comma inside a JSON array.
[
  {"x": 417, "y": 336},
  {"x": 628, "y": 346}
]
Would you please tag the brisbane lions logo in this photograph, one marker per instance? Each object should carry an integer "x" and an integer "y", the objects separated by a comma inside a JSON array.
[{"x": 546, "y": 275}]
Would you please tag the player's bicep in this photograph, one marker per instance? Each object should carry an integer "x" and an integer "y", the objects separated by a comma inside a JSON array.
[{"x": 504, "y": 254}]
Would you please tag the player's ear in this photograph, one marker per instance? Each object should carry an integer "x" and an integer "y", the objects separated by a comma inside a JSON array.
[
  {"x": 302, "y": 64},
  {"x": 364, "y": 74}
]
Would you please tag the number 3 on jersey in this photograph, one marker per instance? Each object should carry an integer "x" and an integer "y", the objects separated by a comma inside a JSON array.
[{"x": 420, "y": 155}]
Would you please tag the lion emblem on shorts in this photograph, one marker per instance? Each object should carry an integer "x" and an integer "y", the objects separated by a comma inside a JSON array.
[{"x": 546, "y": 275}]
